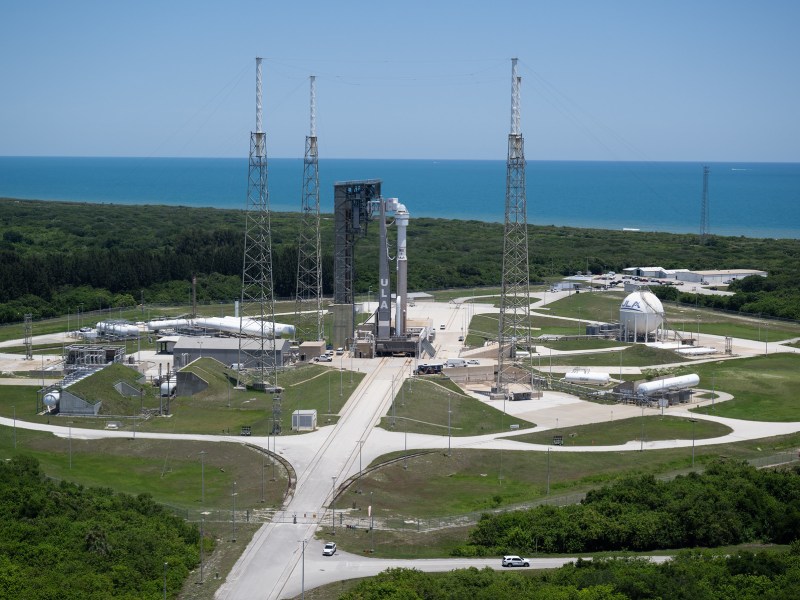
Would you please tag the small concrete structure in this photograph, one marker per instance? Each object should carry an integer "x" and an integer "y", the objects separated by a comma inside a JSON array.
[
  {"x": 311, "y": 350},
  {"x": 304, "y": 420}
]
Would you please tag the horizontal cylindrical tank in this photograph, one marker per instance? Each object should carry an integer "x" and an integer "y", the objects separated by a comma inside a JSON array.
[
  {"x": 641, "y": 312},
  {"x": 117, "y": 328},
  {"x": 168, "y": 388},
  {"x": 670, "y": 383},
  {"x": 51, "y": 399},
  {"x": 247, "y": 325},
  {"x": 587, "y": 377}
]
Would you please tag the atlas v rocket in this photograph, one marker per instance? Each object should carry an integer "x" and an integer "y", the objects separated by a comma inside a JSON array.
[{"x": 384, "y": 312}]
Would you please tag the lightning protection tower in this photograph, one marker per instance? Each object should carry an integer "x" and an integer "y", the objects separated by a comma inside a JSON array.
[
  {"x": 514, "y": 326},
  {"x": 257, "y": 346},
  {"x": 704, "y": 207},
  {"x": 308, "y": 302}
]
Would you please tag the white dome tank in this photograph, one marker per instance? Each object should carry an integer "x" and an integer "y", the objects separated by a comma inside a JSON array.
[{"x": 641, "y": 312}]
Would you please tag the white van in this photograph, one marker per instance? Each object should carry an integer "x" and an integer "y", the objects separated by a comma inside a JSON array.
[{"x": 455, "y": 362}]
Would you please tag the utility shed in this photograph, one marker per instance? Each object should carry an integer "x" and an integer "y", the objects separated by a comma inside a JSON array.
[{"x": 304, "y": 420}]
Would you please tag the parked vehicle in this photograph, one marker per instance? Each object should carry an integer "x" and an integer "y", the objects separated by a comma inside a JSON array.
[{"x": 330, "y": 549}]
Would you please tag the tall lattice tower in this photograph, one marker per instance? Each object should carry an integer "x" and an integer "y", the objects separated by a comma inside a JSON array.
[
  {"x": 308, "y": 303},
  {"x": 704, "y": 207},
  {"x": 514, "y": 326},
  {"x": 257, "y": 346}
]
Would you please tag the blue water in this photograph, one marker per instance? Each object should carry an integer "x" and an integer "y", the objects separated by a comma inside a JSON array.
[{"x": 749, "y": 199}]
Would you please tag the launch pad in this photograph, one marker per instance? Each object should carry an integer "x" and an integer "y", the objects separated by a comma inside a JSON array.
[{"x": 356, "y": 204}]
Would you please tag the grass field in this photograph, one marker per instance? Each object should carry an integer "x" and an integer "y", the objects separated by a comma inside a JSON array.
[
  {"x": 637, "y": 355},
  {"x": 764, "y": 387},
  {"x": 622, "y": 431},
  {"x": 422, "y": 407},
  {"x": 171, "y": 471}
]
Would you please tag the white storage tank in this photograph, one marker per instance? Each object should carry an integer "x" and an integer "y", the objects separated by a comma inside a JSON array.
[
  {"x": 168, "y": 388},
  {"x": 640, "y": 313},
  {"x": 51, "y": 400},
  {"x": 670, "y": 383},
  {"x": 587, "y": 377}
]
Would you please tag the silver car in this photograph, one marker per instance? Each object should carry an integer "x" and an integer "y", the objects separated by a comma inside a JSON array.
[
  {"x": 329, "y": 549},
  {"x": 515, "y": 561}
]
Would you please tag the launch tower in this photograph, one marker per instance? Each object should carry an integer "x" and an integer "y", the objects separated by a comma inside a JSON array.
[
  {"x": 257, "y": 356},
  {"x": 308, "y": 303},
  {"x": 514, "y": 326}
]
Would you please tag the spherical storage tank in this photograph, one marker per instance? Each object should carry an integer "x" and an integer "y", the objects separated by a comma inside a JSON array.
[{"x": 641, "y": 312}]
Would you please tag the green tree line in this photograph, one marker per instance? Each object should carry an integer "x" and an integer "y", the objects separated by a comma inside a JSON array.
[
  {"x": 63, "y": 541},
  {"x": 730, "y": 503},
  {"x": 774, "y": 296},
  {"x": 57, "y": 256}
]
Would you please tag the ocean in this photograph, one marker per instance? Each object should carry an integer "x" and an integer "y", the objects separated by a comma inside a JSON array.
[{"x": 745, "y": 199}]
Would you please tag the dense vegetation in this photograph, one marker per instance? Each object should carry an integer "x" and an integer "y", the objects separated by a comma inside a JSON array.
[
  {"x": 58, "y": 256},
  {"x": 61, "y": 541},
  {"x": 731, "y": 503},
  {"x": 689, "y": 576}
]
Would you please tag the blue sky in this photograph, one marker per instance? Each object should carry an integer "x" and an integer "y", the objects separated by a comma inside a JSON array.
[{"x": 701, "y": 80}]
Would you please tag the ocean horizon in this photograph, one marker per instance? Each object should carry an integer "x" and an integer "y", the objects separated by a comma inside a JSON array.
[{"x": 745, "y": 199}]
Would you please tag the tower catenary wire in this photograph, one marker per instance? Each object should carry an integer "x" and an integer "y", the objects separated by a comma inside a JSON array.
[
  {"x": 704, "y": 207},
  {"x": 514, "y": 322},
  {"x": 308, "y": 300}
]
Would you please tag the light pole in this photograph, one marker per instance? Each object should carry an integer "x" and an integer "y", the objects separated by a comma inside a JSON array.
[
  {"x": 202, "y": 477},
  {"x": 329, "y": 393},
  {"x": 70, "y": 444},
  {"x": 641, "y": 445},
  {"x": 14, "y": 408},
  {"x": 203, "y": 516},
  {"x": 233, "y": 514},
  {"x": 393, "y": 403},
  {"x": 371, "y": 524},
  {"x": 548, "y": 470},
  {"x": 448, "y": 427},
  {"x": 693, "y": 421},
  {"x": 263, "y": 466},
  {"x": 341, "y": 375},
  {"x": 333, "y": 504},
  {"x": 165, "y": 581},
  {"x": 303, "y": 571},
  {"x": 713, "y": 391}
]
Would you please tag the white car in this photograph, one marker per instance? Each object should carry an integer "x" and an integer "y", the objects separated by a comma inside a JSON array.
[
  {"x": 329, "y": 549},
  {"x": 473, "y": 361},
  {"x": 324, "y": 358},
  {"x": 515, "y": 561}
]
